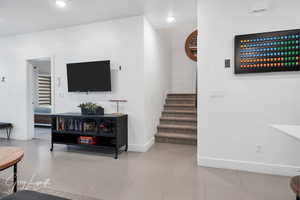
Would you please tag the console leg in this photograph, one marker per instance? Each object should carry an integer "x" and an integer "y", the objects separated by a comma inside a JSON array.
[
  {"x": 297, "y": 198},
  {"x": 117, "y": 153},
  {"x": 126, "y": 148},
  {"x": 15, "y": 178},
  {"x": 51, "y": 149},
  {"x": 8, "y": 132}
]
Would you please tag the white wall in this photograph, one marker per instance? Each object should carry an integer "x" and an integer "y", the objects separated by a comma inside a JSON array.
[
  {"x": 121, "y": 41},
  {"x": 35, "y": 85},
  {"x": 183, "y": 68},
  {"x": 157, "y": 76},
  {"x": 130, "y": 42},
  {"x": 43, "y": 66},
  {"x": 235, "y": 111}
]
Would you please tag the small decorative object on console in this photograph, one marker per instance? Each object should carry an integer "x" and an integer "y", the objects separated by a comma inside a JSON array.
[
  {"x": 118, "y": 101},
  {"x": 91, "y": 109},
  {"x": 89, "y": 126}
]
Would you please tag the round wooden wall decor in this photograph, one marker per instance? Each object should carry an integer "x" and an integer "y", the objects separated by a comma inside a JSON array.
[{"x": 191, "y": 46}]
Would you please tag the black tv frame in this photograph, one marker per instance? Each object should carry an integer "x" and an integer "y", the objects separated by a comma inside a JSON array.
[{"x": 90, "y": 90}]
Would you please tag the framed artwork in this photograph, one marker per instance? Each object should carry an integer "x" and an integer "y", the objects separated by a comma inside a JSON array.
[{"x": 267, "y": 52}]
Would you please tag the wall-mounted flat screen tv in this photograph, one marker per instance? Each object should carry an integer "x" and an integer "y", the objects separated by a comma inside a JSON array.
[{"x": 89, "y": 76}]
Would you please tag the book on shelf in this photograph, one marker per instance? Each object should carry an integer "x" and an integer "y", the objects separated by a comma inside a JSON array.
[
  {"x": 69, "y": 124},
  {"x": 78, "y": 125},
  {"x": 89, "y": 127}
]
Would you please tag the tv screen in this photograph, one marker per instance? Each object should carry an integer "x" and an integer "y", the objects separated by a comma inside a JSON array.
[{"x": 89, "y": 76}]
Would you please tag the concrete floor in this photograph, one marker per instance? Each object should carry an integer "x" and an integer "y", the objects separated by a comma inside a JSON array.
[
  {"x": 42, "y": 133},
  {"x": 166, "y": 172}
]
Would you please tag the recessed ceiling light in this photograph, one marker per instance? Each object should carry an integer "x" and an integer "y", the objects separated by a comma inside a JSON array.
[
  {"x": 170, "y": 19},
  {"x": 61, "y": 3}
]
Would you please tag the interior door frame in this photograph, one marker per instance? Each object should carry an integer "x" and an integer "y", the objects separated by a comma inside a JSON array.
[{"x": 29, "y": 92}]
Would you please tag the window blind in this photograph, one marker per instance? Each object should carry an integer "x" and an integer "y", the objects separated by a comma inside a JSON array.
[{"x": 44, "y": 89}]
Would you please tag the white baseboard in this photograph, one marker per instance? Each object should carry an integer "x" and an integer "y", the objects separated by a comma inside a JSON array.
[
  {"x": 141, "y": 147},
  {"x": 257, "y": 167},
  {"x": 13, "y": 137}
]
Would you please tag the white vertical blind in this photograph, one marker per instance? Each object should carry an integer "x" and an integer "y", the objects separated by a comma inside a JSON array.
[{"x": 44, "y": 89}]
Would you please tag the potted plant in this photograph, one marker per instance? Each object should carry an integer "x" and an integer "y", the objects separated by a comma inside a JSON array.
[{"x": 91, "y": 109}]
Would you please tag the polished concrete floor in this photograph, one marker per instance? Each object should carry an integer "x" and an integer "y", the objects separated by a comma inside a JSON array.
[
  {"x": 166, "y": 172},
  {"x": 42, "y": 133}
]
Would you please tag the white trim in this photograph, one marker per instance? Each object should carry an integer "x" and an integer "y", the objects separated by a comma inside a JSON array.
[
  {"x": 13, "y": 136},
  {"x": 257, "y": 167},
  {"x": 53, "y": 84},
  {"x": 141, "y": 147},
  {"x": 30, "y": 110},
  {"x": 29, "y": 134}
]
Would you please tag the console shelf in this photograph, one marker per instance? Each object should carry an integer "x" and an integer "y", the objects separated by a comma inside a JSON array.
[{"x": 109, "y": 132}]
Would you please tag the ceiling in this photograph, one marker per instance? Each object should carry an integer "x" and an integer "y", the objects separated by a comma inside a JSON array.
[{"x": 25, "y": 16}]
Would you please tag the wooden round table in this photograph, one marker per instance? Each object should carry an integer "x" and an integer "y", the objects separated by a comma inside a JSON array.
[
  {"x": 295, "y": 185},
  {"x": 10, "y": 157}
]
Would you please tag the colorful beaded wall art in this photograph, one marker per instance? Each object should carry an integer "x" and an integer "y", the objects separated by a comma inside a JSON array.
[{"x": 267, "y": 52}]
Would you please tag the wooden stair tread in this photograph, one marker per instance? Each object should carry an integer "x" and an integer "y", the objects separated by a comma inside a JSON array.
[
  {"x": 178, "y": 123},
  {"x": 180, "y": 105},
  {"x": 180, "y": 111},
  {"x": 183, "y": 127},
  {"x": 182, "y": 94},
  {"x": 192, "y": 119},
  {"x": 182, "y": 98},
  {"x": 177, "y": 136}
]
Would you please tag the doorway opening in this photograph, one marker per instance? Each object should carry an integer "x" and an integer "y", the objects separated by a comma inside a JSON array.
[
  {"x": 40, "y": 97},
  {"x": 178, "y": 122}
]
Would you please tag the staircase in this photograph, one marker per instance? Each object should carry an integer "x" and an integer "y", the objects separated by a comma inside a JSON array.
[{"x": 178, "y": 123}]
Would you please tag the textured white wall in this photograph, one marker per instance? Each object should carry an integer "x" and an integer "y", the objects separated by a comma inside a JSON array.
[
  {"x": 130, "y": 42},
  {"x": 235, "y": 111},
  {"x": 157, "y": 76},
  {"x": 120, "y": 41},
  {"x": 183, "y": 68}
]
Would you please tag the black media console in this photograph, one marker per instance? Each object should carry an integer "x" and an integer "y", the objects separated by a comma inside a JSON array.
[{"x": 106, "y": 133}]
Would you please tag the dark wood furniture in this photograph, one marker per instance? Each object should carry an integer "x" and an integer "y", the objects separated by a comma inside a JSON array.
[
  {"x": 191, "y": 46},
  {"x": 7, "y": 127},
  {"x": 110, "y": 132},
  {"x": 295, "y": 185},
  {"x": 31, "y": 195},
  {"x": 10, "y": 157},
  {"x": 42, "y": 120}
]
